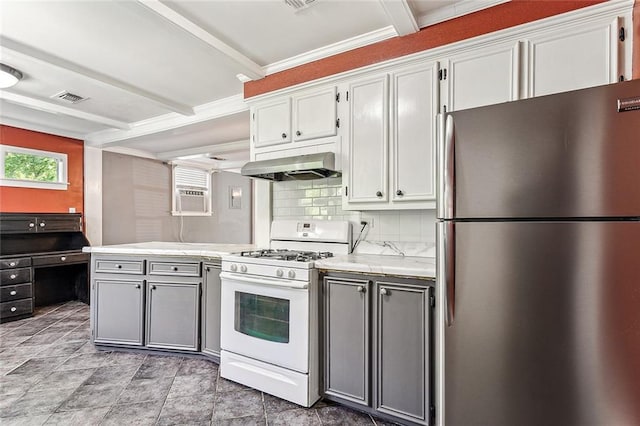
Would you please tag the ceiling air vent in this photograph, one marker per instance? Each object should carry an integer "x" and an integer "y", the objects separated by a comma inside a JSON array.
[
  {"x": 299, "y": 5},
  {"x": 68, "y": 97}
]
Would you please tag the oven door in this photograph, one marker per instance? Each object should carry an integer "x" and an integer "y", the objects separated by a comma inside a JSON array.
[{"x": 266, "y": 319}]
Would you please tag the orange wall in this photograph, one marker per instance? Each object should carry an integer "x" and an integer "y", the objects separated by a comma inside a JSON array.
[
  {"x": 32, "y": 200},
  {"x": 496, "y": 18}
]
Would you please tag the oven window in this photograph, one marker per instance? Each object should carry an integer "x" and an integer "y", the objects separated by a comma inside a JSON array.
[{"x": 263, "y": 317}]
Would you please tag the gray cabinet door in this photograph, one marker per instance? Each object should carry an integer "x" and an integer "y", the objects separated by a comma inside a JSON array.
[
  {"x": 211, "y": 310},
  {"x": 118, "y": 307},
  {"x": 173, "y": 315},
  {"x": 346, "y": 339},
  {"x": 402, "y": 342}
]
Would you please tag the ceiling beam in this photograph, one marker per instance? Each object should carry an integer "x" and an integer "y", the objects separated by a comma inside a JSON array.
[
  {"x": 217, "y": 109},
  {"x": 39, "y": 127},
  {"x": 60, "y": 109},
  {"x": 222, "y": 148},
  {"x": 400, "y": 16},
  {"x": 247, "y": 66},
  {"x": 97, "y": 77}
]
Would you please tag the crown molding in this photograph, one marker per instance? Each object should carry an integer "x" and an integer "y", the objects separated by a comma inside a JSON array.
[{"x": 37, "y": 127}]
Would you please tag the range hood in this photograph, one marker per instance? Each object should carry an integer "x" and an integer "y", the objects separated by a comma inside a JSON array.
[{"x": 300, "y": 167}]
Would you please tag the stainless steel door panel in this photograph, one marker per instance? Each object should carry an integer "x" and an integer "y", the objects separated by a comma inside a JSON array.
[
  {"x": 547, "y": 325},
  {"x": 565, "y": 155}
]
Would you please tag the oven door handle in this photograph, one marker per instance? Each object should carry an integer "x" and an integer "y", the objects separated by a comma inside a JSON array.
[{"x": 264, "y": 280}]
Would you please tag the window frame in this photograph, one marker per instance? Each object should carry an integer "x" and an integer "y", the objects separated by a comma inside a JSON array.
[
  {"x": 174, "y": 192},
  {"x": 63, "y": 170}
]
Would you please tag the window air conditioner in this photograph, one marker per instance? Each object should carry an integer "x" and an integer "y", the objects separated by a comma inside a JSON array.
[{"x": 192, "y": 200}]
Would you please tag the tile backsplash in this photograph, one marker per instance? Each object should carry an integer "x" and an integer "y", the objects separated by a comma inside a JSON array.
[{"x": 322, "y": 199}]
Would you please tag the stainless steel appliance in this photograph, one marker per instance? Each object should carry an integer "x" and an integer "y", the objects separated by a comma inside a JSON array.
[
  {"x": 269, "y": 315},
  {"x": 539, "y": 261}
]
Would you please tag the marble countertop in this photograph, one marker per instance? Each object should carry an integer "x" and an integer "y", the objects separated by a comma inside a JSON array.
[
  {"x": 165, "y": 248},
  {"x": 405, "y": 266}
]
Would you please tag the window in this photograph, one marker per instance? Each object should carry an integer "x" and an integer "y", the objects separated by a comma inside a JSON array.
[
  {"x": 191, "y": 191},
  {"x": 32, "y": 168}
]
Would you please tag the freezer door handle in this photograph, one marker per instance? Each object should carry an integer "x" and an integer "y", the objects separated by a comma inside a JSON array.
[
  {"x": 445, "y": 273},
  {"x": 445, "y": 166}
]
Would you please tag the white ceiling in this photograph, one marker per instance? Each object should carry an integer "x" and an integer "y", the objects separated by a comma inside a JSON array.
[{"x": 161, "y": 77}]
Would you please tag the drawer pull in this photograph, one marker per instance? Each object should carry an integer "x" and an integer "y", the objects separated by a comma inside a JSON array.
[
  {"x": 175, "y": 268},
  {"x": 137, "y": 285},
  {"x": 13, "y": 276},
  {"x": 361, "y": 289},
  {"x": 384, "y": 291},
  {"x": 31, "y": 225},
  {"x": 12, "y": 263},
  {"x": 13, "y": 309},
  {"x": 119, "y": 266},
  {"x": 63, "y": 258},
  {"x": 41, "y": 224},
  {"x": 13, "y": 292}
]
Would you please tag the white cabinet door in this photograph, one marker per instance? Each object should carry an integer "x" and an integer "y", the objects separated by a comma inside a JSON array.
[
  {"x": 368, "y": 141},
  {"x": 272, "y": 123},
  {"x": 413, "y": 133},
  {"x": 483, "y": 76},
  {"x": 314, "y": 115},
  {"x": 574, "y": 58}
]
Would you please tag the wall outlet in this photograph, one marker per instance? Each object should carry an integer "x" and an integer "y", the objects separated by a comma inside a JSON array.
[
  {"x": 72, "y": 209},
  {"x": 369, "y": 221}
]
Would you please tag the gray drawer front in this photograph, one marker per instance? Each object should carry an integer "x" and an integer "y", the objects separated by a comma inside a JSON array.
[
  {"x": 15, "y": 276},
  {"x": 120, "y": 266},
  {"x": 15, "y": 308},
  {"x": 183, "y": 269},
  {"x": 21, "y": 262},
  {"x": 15, "y": 292}
]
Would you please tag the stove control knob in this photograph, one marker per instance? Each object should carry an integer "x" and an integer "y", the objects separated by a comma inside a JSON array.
[
  {"x": 279, "y": 272},
  {"x": 292, "y": 273},
  {"x": 243, "y": 268},
  {"x": 234, "y": 267}
]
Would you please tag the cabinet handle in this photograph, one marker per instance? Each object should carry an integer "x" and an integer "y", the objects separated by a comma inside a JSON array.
[
  {"x": 361, "y": 289},
  {"x": 379, "y": 194},
  {"x": 384, "y": 291},
  {"x": 12, "y": 263},
  {"x": 399, "y": 193},
  {"x": 284, "y": 136},
  {"x": 63, "y": 258},
  {"x": 175, "y": 268},
  {"x": 13, "y": 292},
  {"x": 298, "y": 133},
  {"x": 137, "y": 285},
  {"x": 41, "y": 224},
  {"x": 208, "y": 269},
  {"x": 31, "y": 225},
  {"x": 13, "y": 309},
  {"x": 153, "y": 287},
  {"x": 13, "y": 276},
  {"x": 119, "y": 266}
]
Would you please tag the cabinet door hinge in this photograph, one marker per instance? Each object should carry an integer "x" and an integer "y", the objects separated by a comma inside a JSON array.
[
  {"x": 432, "y": 410},
  {"x": 432, "y": 301},
  {"x": 622, "y": 36},
  {"x": 442, "y": 74},
  {"x": 338, "y": 97},
  {"x": 338, "y": 123},
  {"x": 621, "y": 78},
  {"x": 347, "y": 96},
  {"x": 254, "y": 116},
  {"x": 346, "y": 190}
]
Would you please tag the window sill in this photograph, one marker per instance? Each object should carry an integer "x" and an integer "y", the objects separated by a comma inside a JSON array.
[{"x": 58, "y": 186}]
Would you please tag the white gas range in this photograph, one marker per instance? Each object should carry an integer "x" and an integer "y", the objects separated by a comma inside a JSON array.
[{"x": 269, "y": 313}]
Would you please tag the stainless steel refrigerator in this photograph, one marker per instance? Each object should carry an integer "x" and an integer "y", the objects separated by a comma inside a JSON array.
[{"x": 539, "y": 261}]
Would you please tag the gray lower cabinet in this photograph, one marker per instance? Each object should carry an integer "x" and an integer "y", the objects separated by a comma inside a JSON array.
[
  {"x": 173, "y": 312},
  {"x": 118, "y": 315},
  {"x": 378, "y": 345},
  {"x": 211, "y": 310}
]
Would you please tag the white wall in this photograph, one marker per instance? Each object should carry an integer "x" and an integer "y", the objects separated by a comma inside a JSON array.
[{"x": 93, "y": 194}]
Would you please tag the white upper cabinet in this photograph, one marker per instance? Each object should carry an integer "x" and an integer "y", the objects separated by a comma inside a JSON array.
[
  {"x": 414, "y": 105},
  {"x": 367, "y": 175},
  {"x": 479, "y": 77},
  {"x": 302, "y": 123},
  {"x": 391, "y": 140},
  {"x": 574, "y": 58},
  {"x": 314, "y": 115},
  {"x": 272, "y": 123}
]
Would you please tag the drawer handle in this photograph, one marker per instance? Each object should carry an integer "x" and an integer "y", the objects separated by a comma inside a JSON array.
[
  {"x": 12, "y": 263},
  {"x": 137, "y": 285},
  {"x": 119, "y": 266},
  {"x": 361, "y": 289},
  {"x": 379, "y": 194},
  {"x": 41, "y": 224},
  {"x": 31, "y": 225},
  {"x": 13, "y": 309},
  {"x": 298, "y": 133},
  {"x": 13, "y": 292},
  {"x": 13, "y": 276},
  {"x": 63, "y": 258},
  {"x": 175, "y": 268},
  {"x": 384, "y": 291}
]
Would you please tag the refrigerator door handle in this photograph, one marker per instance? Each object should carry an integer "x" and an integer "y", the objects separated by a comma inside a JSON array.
[
  {"x": 445, "y": 272},
  {"x": 445, "y": 166}
]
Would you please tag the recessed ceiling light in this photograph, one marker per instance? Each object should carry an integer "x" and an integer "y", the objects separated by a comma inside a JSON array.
[{"x": 9, "y": 76}]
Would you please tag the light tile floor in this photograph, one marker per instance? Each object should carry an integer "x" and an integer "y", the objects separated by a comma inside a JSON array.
[{"x": 51, "y": 374}]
